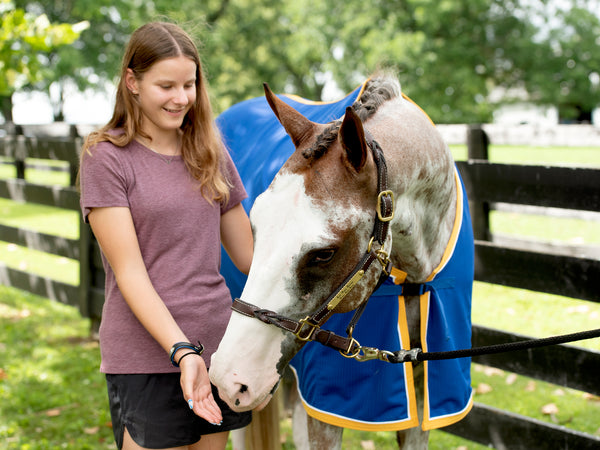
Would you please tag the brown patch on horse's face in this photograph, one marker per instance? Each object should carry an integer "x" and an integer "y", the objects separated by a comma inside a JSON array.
[{"x": 346, "y": 199}]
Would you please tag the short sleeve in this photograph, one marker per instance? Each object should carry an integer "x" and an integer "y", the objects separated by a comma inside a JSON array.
[
  {"x": 102, "y": 177},
  {"x": 237, "y": 192}
]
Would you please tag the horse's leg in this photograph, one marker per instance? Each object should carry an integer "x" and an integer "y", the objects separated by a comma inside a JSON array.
[
  {"x": 322, "y": 435},
  {"x": 309, "y": 433},
  {"x": 415, "y": 438}
]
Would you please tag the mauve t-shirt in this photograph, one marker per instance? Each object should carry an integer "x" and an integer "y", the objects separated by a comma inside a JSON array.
[{"x": 178, "y": 232}]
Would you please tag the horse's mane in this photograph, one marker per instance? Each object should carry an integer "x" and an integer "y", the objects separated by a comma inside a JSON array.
[{"x": 377, "y": 91}]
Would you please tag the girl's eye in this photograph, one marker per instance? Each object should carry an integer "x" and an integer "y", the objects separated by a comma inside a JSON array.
[{"x": 322, "y": 256}]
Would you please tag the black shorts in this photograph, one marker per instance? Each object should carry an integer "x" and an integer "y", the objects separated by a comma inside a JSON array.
[{"x": 152, "y": 408}]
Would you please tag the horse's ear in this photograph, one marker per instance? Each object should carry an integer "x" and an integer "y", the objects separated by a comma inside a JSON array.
[
  {"x": 296, "y": 125},
  {"x": 352, "y": 138}
]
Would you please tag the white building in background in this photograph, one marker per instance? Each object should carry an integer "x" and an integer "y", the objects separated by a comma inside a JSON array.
[{"x": 526, "y": 113}]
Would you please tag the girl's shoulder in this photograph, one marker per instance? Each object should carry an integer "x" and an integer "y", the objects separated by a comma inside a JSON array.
[{"x": 104, "y": 143}]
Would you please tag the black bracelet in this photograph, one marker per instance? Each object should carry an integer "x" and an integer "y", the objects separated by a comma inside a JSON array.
[
  {"x": 184, "y": 355},
  {"x": 197, "y": 349}
]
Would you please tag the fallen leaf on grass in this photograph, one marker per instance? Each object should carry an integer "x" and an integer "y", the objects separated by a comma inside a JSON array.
[
  {"x": 490, "y": 371},
  {"x": 91, "y": 430},
  {"x": 483, "y": 388},
  {"x": 53, "y": 412},
  {"x": 591, "y": 397},
  {"x": 3, "y": 374},
  {"x": 510, "y": 379},
  {"x": 550, "y": 409},
  {"x": 367, "y": 445},
  {"x": 559, "y": 392},
  {"x": 531, "y": 386}
]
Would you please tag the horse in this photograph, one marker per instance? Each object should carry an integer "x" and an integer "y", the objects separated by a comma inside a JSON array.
[{"x": 368, "y": 206}]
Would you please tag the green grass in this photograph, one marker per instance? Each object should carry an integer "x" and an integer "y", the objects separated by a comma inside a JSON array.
[
  {"x": 552, "y": 156},
  {"x": 52, "y": 395}
]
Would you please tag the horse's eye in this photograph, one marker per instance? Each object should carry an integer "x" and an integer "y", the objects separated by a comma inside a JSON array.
[{"x": 322, "y": 256}]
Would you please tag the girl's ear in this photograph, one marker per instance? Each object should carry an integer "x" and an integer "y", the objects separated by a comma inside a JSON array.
[{"x": 131, "y": 82}]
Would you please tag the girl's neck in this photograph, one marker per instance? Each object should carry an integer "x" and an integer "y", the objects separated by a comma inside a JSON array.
[{"x": 165, "y": 144}]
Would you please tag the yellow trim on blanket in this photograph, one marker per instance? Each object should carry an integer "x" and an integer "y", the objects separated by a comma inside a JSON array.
[
  {"x": 428, "y": 423},
  {"x": 319, "y": 102},
  {"x": 410, "y": 422},
  {"x": 400, "y": 277},
  {"x": 450, "y": 419}
]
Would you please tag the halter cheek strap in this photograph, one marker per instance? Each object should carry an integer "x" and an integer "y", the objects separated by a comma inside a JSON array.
[{"x": 308, "y": 329}]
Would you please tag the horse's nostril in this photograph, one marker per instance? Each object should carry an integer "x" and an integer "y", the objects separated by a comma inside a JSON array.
[{"x": 243, "y": 388}]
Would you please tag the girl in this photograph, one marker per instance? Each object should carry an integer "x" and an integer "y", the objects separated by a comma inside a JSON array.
[{"x": 161, "y": 194}]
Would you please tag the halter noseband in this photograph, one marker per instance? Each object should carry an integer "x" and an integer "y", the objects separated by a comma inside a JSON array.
[{"x": 309, "y": 328}]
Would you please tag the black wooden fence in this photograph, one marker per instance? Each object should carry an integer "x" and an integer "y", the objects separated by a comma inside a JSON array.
[{"x": 551, "y": 270}]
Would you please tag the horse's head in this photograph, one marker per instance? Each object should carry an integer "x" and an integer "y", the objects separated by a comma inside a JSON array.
[{"x": 311, "y": 227}]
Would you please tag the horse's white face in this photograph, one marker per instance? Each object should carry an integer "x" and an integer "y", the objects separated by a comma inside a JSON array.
[{"x": 300, "y": 241}]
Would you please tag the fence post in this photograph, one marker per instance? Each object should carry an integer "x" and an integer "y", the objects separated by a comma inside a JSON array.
[
  {"x": 263, "y": 431},
  {"x": 74, "y": 165},
  {"x": 16, "y": 135},
  {"x": 477, "y": 147}
]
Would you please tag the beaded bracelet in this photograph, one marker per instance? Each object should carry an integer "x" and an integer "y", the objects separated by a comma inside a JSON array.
[{"x": 197, "y": 349}]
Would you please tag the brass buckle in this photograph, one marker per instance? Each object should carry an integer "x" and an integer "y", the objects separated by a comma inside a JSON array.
[
  {"x": 308, "y": 336},
  {"x": 382, "y": 194},
  {"x": 347, "y": 354},
  {"x": 384, "y": 259},
  {"x": 382, "y": 256},
  {"x": 371, "y": 353}
]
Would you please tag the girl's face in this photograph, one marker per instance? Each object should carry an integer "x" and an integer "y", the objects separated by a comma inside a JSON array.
[{"x": 165, "y": 93}]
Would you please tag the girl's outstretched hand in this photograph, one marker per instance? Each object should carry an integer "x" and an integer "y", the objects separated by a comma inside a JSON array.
[{"x": 197, "y": 391}]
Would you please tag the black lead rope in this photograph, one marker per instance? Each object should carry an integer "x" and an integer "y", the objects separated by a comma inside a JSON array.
[{"x": 418, "y": 355}]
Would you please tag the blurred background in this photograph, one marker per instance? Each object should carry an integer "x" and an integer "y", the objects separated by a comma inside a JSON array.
[{"x": 476, "y": 61}]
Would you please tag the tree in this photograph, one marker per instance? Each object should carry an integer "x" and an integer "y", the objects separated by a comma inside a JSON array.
[
  {"x": 25, "y": 42},
  {"x": 569, "y": 76},
  {"x": 449, "y": 54}
]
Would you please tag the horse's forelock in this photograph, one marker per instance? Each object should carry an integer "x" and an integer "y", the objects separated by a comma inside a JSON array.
[{"x": 323, "y": 141}]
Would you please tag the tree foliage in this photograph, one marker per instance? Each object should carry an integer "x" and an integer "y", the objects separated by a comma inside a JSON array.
[
  {"x": 26, "y": 40},
  {"x": 449, "y": 54}
]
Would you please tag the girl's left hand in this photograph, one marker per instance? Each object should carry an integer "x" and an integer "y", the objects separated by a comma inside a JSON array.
[{"x": 196, "y": 387}]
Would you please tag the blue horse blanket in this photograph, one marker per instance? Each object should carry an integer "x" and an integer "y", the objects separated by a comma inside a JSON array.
[{"x": 371, "y": 395}]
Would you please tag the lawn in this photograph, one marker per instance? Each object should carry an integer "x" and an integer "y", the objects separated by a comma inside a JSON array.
[{"x": 52, "y": 395}]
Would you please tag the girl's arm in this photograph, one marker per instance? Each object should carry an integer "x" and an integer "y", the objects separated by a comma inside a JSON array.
[
  {"x": 236, "y": 237},
  {"x": 115, "y": 232}
]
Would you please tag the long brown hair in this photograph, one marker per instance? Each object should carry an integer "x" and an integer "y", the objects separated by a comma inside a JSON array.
[{"x": 202, "y": 147}]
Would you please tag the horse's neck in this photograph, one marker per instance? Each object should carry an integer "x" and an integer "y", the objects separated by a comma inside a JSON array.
[
  {"x": 424, "y": 218},
  {"x": 421, "y": 175}
]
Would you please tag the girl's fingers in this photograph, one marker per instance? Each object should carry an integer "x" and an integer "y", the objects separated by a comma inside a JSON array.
[{"x": 208, "y": 410}]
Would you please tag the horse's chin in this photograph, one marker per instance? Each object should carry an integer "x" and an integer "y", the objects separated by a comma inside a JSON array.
[
  {"x": 263, "y": 404},
  {"x": 254, "y": 406}
]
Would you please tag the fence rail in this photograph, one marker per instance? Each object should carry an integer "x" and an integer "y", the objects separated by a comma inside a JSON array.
[{"x": 550, "y": 269}]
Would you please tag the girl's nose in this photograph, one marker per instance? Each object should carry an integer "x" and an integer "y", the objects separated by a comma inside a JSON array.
[{"x": 181, "y": 97}]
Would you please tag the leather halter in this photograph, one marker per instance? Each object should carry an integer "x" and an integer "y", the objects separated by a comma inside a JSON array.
[{"x": 309, "y": 328}]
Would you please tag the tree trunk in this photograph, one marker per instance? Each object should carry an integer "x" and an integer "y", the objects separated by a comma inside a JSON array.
[{"x": 6, "y": 105}]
